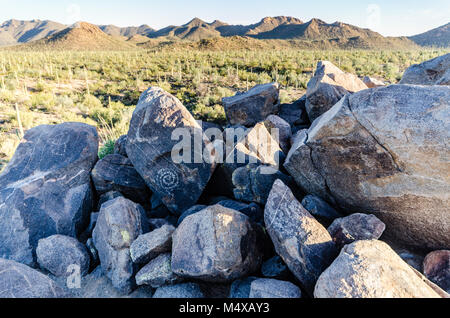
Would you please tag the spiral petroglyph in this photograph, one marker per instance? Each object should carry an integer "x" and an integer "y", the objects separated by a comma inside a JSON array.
[{"x": 167, "y": 179}]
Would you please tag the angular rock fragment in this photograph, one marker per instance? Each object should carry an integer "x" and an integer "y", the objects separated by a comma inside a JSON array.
[
  {"x": 157, "y": 273},
  {"x": 432, "y": 72},
  {"x": 148, "y": 246},
  {"x": 436, "y": 268},
  {"x": 272, "y": 288},
  {"x": 186, "y": 290}
]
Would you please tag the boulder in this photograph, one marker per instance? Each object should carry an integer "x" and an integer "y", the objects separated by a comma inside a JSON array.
[
  {"x": 157, "y": 273},
  {"x": 216, "y": 245},
  {"x": 272, "y": 288},
  {"x": 327, "y": 87},
  {"x": 119, "y": 223},
  {"x": 303, "y": 243},
  {"x": 107, "y": 197},
  {"x": 253, "y": 183},
  {"x": 186, "y": 290},
  {"x": 116, "y": 173},
  {"x": 120, "y": 147},
  {"x": 372, "y": 82},
  {"x": 284, "y": 131},
  {"x": 147, "y": 246},
  {"x": 356, "y": 158},
  {"x": 46, "y": 188},
  {"x": 320, "y": 209},
  {"x": 356, "y": 227},
  {"x": 58, "y": 254},
  {"x": 275, "y": 268},
  {"x": 371, "y": 269},
  {"x": 432, "y": 72},
  {"x": 20, "y": 281},
  {"x": 436, "y": 268},
  {"x": 158, "y": 118},
  {"x": 253, "y": 106}
]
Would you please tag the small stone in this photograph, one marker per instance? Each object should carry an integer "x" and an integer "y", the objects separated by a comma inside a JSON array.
[
  {"x": 186, "y": 290},
  {"x": 272, "y": 288},
  {"x": 59, "y": 254},
  {"x": 147, "y": 246},
  {"x": 241, "y": 287},
  {"x": 356, "y": 227},
  {"x": 284, "y": 131},
  {"x": 157, "y": 273}
]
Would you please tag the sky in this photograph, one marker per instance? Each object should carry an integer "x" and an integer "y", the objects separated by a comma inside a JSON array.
[{"x": 388, "y": 17}]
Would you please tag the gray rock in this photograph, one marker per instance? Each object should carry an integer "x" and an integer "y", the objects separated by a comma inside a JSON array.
[
  {"x": 284, "y": 131},
  {"x": 120, "y": 222},
  {"x": 120, "y": 147},
  {"x": 216, "y": 245},
  {"x": 253, "y": 106},
  {"x": 158, "y": 273},
  {"x": 20, "y": 281},
  {"x": 275, "y": 268},
  {"x": 355, "y": 158},
  {"x": 148, "y": 246},
  {"x": 46, "y": 188},
  {"x": 158, "y": 209},
  {"x": 116, "y": 173},
  {"x": 150, "y": 144},
  {"x": 253, "y": 183},
  {"x": 58, "y": 254},
  {"x": 303, "y": 243},
  {"x": 356, "y": 227},
  {"x": 372, "y": 82},
  {"x": 154, "y": 224},
  {"x": 432, "y": 72},
  {"x": 371, "y": 269},
  {"x": 192, "y": 210},
  {"x": 320, "y": 209},
  {"x": 272, "y": 288},
  {"x": 436, "y": 268},
  {"x": 327, "y": 87},
  {"x": 186, "y": 290}
]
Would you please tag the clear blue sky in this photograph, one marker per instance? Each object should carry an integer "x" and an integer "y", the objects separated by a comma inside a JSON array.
[{"x": 389, "y": 17}]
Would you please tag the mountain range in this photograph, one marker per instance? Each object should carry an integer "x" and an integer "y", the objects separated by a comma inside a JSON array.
[{"x": 314, "y": 33}]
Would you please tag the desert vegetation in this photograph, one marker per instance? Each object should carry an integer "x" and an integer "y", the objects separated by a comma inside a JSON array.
[{"x": 102, "y": 88}]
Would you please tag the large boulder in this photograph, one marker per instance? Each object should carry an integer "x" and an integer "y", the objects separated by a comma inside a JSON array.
[
  {"x": 58, "y": 254},
  {"x": 432, "y": 72},
  {"x": 158, "y": 119},
  {"x": 253, "y": 106},
  {"x": 436, "y": 268},
  {"x": 119, "y": 223},
  {"x": 371, "y": 269},
  {"x": 116, "y": 173},
  {"x": 46, "y": 188},
  {"x": 303, "y": 243},
  {"x": 327, "y": 87},
  {"x": 216, "y": 245},
  {"x": 372, "y": 152},
  {"x": 356, "y": 227},
  {"x": 20, "y": 281}
]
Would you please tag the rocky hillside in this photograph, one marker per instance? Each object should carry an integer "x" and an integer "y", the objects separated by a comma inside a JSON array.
[
  {"x": 14, "y": 31},
  {"x": 80, "y": 36},
  {"x": 321, "y": 198},
  {"x": 439, "y": 37}
]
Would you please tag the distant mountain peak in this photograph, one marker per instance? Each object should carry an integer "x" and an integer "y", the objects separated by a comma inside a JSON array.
[{"x": 195, "y": 22}]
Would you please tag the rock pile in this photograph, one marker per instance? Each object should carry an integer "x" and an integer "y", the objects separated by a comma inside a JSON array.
[{"x": 321, "y": 189}]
